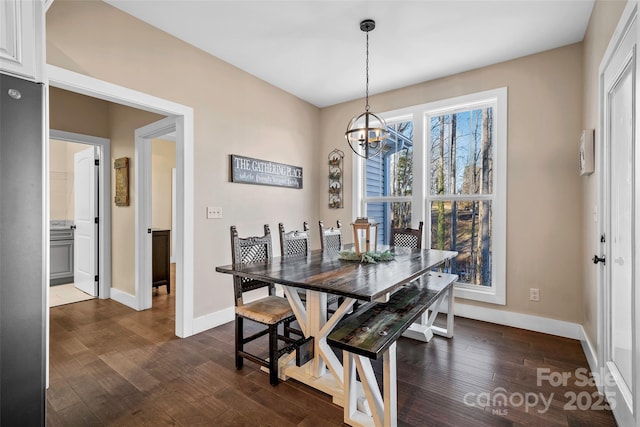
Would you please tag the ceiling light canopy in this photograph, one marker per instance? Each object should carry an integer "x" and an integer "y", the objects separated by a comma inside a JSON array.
[{"x": 367, "y": 131}]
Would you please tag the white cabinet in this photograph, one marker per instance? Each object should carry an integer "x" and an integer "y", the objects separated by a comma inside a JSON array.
[{"x": 22, "y": 38}]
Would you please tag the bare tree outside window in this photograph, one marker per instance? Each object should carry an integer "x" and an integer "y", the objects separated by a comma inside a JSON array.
[{"x": 461, "y": 178}]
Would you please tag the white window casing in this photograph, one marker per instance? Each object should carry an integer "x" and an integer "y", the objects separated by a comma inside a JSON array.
[{"x": 421, "y": 197}]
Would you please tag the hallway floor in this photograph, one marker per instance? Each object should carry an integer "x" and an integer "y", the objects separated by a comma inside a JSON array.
[
  {"x": 111, "y": 365},
  {"x": 66, "y": 294}
]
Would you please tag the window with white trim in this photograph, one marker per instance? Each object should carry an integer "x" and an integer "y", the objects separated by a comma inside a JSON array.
[{"x": 444, "y": 163}]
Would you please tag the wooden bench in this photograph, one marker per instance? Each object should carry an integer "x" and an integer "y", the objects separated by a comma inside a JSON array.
[{"x": 371, "y": 332}]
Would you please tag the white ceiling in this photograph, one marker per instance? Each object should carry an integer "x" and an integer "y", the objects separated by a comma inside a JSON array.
[{"x": 315, "y": 49}]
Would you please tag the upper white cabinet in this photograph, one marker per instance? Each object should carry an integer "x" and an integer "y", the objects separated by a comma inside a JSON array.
[{"x": 22, "y": 38}]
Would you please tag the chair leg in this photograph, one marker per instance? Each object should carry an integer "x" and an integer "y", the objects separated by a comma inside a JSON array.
[
  {"x": 273, "y": 351},
  {"x": 286, "y": 326},
  {"x": 239, "y": 339}
]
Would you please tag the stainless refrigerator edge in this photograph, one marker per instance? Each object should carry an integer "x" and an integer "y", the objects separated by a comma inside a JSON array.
[{"x": 22, "y": 253}]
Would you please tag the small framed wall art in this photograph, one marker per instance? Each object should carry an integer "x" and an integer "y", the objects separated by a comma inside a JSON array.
[{"x": 121, "y": 167}]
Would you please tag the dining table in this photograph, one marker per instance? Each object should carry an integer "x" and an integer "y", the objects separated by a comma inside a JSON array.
[{"x": 322, "y": 273}]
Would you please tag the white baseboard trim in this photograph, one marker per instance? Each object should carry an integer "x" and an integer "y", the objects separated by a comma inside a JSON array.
[
  {"x": 518, "y": 320},
  {"x": 124, "y": 298},
  {"x": 589, "y": 350},
  {"x": 211, "y": 320},
  {"x": 591, "y": 355},
  {"x": 508, "y": 318}
]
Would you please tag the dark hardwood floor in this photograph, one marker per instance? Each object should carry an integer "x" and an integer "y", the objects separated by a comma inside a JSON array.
[{"x": 110, "y": 365}]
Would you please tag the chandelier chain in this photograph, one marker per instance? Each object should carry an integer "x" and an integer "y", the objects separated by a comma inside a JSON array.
[
  {"x": 367, "y": 80},
  {"x": 366, "y": 132}
]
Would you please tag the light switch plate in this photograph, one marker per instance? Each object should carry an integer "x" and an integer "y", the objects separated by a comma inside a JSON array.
[{"x": 214, "y": 212}]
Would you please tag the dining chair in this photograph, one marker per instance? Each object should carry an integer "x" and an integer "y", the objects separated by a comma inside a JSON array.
[
  {"x": 297, "y": 243},
  {"x": 330, "y": 238},
  {"x": 270, "y": 311},
  {"x": 293, "y": 243},
  {"x": 407, "y": 237}
]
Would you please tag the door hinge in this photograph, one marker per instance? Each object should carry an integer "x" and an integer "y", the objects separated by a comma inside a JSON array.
[
  {"x": 97, "y": 162},
  {"x": 97, "y": 220},
  {"x": 603, "y": 239},
  {"x": 97, "y": 278}
]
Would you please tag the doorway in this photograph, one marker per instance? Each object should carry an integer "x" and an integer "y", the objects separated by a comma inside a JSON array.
[
  {"x": 74, "y": 197},
  {"x": 155, "y": 146},
  {"x": 620, "y": 217},
  {"x": 182, "y": 117}
]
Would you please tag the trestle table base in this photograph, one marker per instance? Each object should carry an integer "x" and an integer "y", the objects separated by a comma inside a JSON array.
[{"x": 424, "y": 330}]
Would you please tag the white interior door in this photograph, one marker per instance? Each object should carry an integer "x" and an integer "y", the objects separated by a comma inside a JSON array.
[
  {"x": 85, "y": 242},
  {"x": 620, "y": 219}
]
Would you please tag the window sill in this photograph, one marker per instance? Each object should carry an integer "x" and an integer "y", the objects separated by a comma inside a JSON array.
[{"x": 489, "y": 295}]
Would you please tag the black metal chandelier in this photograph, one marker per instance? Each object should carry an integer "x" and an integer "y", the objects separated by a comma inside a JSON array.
[{"x": 367, "y": 131}]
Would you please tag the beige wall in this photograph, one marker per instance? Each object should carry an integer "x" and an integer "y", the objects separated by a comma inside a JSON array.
[
  {"x": 75, "y": 113},
  {"x": 604, "y": 19},
  {"x": 123, "y": 121},
  {"x": 163, "y": 159},
  {"x": 234, "y": 113},
  {"x": 61, "y": 178},
  {"x": 544, "y": 195}
]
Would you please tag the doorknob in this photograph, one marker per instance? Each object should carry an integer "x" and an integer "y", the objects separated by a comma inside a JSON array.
[{"x": 597, "y": 259}]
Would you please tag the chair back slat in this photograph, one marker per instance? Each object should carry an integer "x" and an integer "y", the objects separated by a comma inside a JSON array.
[
  {"x": 407, "y": 237},
  {"x": 330, "y": 238},
  {"x": 246, "y": 250},
  {"x": 294, "y": 243}
]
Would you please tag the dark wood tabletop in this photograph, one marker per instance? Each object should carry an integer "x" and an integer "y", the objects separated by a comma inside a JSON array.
[{"x": 327, "y": 273}]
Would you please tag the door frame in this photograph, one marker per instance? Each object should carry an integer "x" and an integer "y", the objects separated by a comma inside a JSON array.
[
  {"x": 85, "y": 85},
  {"x": 629, "y": 14},
  {"x": 104, "y": 191},
  {"x": 143, "y": 200}
]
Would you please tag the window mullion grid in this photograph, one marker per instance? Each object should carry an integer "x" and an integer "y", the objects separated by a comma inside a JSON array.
[
  {"x": 391, "y": 199},
  {"x": 460, "y": 197}
]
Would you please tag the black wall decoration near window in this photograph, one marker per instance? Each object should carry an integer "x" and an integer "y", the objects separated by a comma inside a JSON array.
[{"x": 336, "y": 200}]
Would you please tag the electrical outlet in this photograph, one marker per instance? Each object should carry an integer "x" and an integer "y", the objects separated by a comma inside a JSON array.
[
  {"x": 534, "y": 294},
  {"x": 214, "y": 212}
]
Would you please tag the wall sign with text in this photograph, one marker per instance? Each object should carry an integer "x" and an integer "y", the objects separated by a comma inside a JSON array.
[{"x": 248, "y": 170}]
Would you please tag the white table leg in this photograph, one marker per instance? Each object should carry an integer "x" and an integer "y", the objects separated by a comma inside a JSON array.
[
  {"x": 314, "y": 323},
  {"x": 383, "y": 407},
  {"x": 389, "y": 376},
  {"x": 448, "y": 332},
  {"x": 425, "y": 329},
  {"x": 316, "y": 318}
]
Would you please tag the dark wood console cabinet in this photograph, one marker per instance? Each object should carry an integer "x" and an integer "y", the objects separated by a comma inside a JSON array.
[{"x": 161, "y": 258}]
